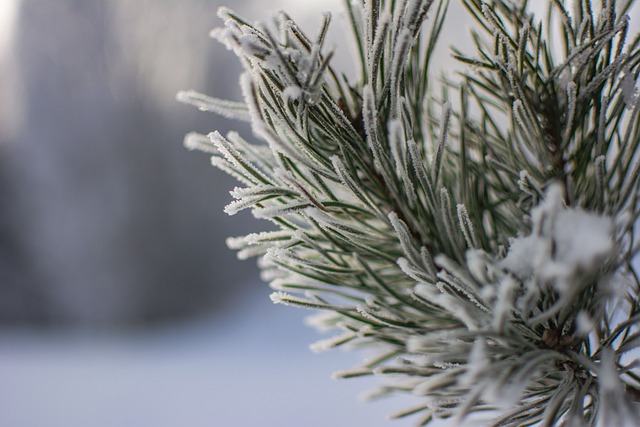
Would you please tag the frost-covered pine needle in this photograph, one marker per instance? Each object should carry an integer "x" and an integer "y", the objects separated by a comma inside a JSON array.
[{"x": 485, "y": 249}]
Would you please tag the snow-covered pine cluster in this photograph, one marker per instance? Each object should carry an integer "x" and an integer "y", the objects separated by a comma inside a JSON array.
[{"x": 478, "y": 235}]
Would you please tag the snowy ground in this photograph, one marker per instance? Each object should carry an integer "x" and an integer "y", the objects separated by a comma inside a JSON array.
[{"x": 252, "y": 369}]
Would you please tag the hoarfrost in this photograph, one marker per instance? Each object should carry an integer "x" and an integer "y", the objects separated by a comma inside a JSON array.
[
  {"x": 615, "y": 407},
  {"x": 478, "y": 362},
  {"x": 477, "y": 262},
  {"x": 291, "y": 93},
  {"x": 585, "y": 324},
  {"x": 323, "y": 321},
  {"x": 563, "y": 241},
  {"x": 582, "y": 238},
  {"x": 523, "y": 255},
  {"x": 629, "y": 90}
]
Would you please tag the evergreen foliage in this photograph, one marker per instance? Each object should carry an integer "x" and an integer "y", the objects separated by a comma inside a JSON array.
[{"x": 480, "y": 234}]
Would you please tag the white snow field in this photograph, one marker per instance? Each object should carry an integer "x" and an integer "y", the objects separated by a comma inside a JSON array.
[{"x": 253, "y": 368}]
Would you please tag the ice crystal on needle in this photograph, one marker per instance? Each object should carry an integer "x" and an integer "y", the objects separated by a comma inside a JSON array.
[{"x": 484, "y": 248}]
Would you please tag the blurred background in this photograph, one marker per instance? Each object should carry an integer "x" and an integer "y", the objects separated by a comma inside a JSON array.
[
  {"x": 119, "y": 303},
  {"x": 107, "y": 222}
]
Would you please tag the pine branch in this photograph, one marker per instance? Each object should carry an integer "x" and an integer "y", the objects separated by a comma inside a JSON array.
[{"x": 486, "y": 250}]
